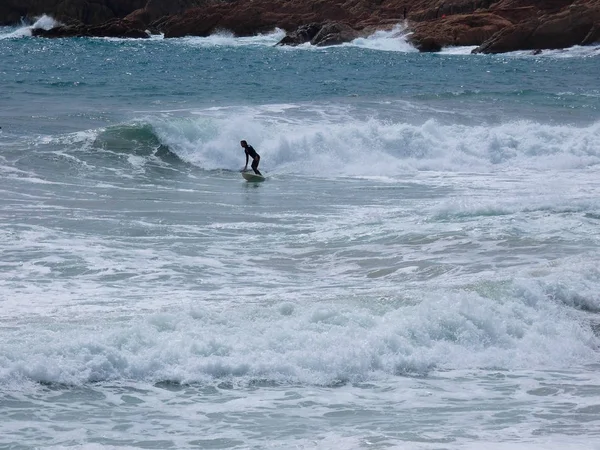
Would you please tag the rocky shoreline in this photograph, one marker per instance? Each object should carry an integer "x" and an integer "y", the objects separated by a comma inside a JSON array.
[{"x": 493, "y": 27}]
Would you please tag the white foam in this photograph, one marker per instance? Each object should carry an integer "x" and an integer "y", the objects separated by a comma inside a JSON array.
[
  {"x": 227, "y": 39},
  {"x": 458, "y": 50},
  {"x": 577, "y": 51},
  {"x": 393, "y": 40},
  {"x": 44, "y": 22},
  {"x": 312, "y": 343}
]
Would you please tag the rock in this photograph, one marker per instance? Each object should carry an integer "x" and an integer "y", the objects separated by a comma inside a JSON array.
[
  {"x": 460, "y": 30},
  {"x": 492, "y": 25},
  {"x": 303, "y": 34},
  {"x": 89, "y": 12},
  {"x": 428, "y": 44},
  {"x": 507, "y": 39},
  {"x": 117, "y": 28},
  {"x": 83, "y": 11},
  {"x": 331, "y": 33},
  {"x": 334, "y": 33},
  {"x": 155, "y": 10},
  {"x": 593, "y": 36},
  {"x": 574, "y": 26}
]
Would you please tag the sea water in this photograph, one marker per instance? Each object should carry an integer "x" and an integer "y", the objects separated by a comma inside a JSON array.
[{"x": 420, "y": 270}]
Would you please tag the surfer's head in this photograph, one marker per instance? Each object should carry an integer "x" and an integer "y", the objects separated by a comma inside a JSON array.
[{"x": 244, "y": 144}]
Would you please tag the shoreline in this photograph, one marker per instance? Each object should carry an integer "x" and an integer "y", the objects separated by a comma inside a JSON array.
[{"x": 430, "y": 25}]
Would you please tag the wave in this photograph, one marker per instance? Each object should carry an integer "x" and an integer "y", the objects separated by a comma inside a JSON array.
[
  {"x": 333, "y": 140},
  {"x": 227, "y": 39},
  {"x": 343, "y": 140},
  {"x": 44, "y": 22},
  {"x": 384, "y": 40},
  {"x": 576, "y": 51},
  {"x": 505, "y": 326},
  {"x": 393, "y": 40}
]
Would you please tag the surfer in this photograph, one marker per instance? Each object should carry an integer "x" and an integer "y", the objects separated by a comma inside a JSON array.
[{"x": 251, "y": 153}]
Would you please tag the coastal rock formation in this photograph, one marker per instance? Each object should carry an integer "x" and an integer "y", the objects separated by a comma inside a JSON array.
[
  {"x": 88, "y": 12},
  {"x": 302, "y": 35},
  {"x": 492, "y": 26},
  {"x": 577, "y": 25},
  {"x": 331, "y": 33},
  {"x": 117, "y": 28},
  {"x": 458, "y": 30}
]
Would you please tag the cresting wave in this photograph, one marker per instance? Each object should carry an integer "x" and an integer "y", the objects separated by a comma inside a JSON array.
[
  {"x": 498, "y": 326},
  {"x": 331, "y": 143}
]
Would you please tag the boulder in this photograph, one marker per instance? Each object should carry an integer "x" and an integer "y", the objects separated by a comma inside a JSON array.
[
  {"x": 334, "y": 33},
  {"x": 303, "y": 34}
]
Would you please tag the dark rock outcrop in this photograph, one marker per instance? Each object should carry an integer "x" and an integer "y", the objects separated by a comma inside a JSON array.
[
  {"x": 302, "y": 35},
  {"x": 334, "y": 34},
  {"x": 89, "y": 12},
  {"x": 331, "y": 33},
  {"x": 117, "y": 28}
]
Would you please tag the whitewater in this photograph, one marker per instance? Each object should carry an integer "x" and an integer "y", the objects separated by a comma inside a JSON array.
[{"x": 419, "y": 270}]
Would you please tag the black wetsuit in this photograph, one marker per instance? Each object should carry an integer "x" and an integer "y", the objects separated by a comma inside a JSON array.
[{"x": 255, "y": 158}]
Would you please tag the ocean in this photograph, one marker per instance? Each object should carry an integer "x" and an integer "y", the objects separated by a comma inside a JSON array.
[{"x": 420, "y": 270}]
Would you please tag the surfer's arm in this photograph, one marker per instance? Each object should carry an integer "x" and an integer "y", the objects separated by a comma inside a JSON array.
[{"x": 246, "y": 166}]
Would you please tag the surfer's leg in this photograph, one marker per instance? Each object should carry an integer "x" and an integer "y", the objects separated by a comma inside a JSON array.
[{"x": 255, "y": 166}]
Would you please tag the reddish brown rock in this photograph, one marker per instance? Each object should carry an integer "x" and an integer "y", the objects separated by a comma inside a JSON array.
[
  {"x": 576, "y": 25},
  {"x": 492, "y": 25},
  {"x": 459, "y": 30}
]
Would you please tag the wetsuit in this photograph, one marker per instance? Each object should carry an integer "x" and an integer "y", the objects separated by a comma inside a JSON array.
[{"x": 255, "y": 158}]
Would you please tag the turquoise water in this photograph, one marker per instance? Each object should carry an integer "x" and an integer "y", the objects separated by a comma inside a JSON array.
[{"x": 419, "y": 269}]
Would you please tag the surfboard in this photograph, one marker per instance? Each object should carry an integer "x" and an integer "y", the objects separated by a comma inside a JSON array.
[{"x": 252, "y": 177}]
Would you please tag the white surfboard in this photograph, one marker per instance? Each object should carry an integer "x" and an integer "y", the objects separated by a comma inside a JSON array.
[{"x": 252, "y": 177}]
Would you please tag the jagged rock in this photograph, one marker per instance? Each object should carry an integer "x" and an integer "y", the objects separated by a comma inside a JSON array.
[
  {"x": 117, "y": 28},
  {"x": 428, "y": 44},
  {"x": 574, "y": 26},
  {"x": 334, "y": 34},
  {"x": 321, "y": 35},
  {"x": 302, "y": 35},
  {"x": 155, "y": 10},
  {"x": 461, "y": 30},
  {"x": 88, "y": 12}
]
